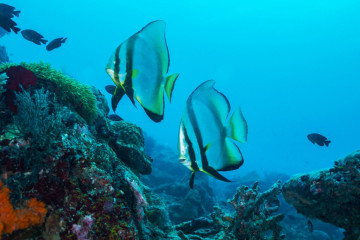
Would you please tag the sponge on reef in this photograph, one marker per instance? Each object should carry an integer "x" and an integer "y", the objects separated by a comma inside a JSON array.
[{"x": 12, "y": 219}]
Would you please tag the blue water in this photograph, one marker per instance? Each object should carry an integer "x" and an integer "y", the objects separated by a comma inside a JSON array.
[{"x": 292, "y": 66}]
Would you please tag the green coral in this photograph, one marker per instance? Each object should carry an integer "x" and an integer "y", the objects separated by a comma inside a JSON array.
[{"x": 66, "y": 88}]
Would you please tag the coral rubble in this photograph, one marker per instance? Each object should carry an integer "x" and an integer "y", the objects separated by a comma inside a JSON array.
[{"x": 331, "y": 195}]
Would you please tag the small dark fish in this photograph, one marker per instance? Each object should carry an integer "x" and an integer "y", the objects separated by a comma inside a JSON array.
[
  {"x": 55, "y": 43},
  {"x": 33, "y": 36},
  {"x": 110, "y": 89},
  {"x": 115, "y": 117},
  {"x": 8, "y": 11},
  {"x": 319, "y": 139},
  {"x": 310, "y": 226},
  {"x": 8, "y": 24}
]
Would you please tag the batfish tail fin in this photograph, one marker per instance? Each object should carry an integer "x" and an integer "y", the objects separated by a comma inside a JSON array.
[
  {"x": 116, "y": 97},
  {"x": 192, "y": 178},
  {"x": 327, "y": 142},
  {"x": 16, "y": 13},
  {"x": 169, "y": 84},
  {"x": 212, "y": 172},
  {"x": 15, "y": 29},
  {"x": 237, "y": 127},
  {"x": 44, "y": 41}
]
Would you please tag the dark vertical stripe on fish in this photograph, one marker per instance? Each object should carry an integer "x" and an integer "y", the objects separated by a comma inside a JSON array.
[
  {"x": 192, "y": 156},
  {"x": 117, "y": 64},
  {"x": 129, "y": 68},
  {"x": 196, "y": 129}
]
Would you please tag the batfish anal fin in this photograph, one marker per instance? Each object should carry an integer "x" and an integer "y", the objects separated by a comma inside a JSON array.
[
  {"x": 237, "y": 127},
  {"x": 192, "y": 178},
  {"x": 153, "y": 116},
  {"x": 169, "y": 84},
  {"x": 232, "y": 158},
  {"x": 116, "y": 97},
  {"x": 212, "y": 172}
]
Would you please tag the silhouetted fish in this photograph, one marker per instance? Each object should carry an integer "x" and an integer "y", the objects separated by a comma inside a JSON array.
[
  {"x": 319, "y": 139},
  {"x": 8, "y": 24},
  {"x": 110, "y": 89},
  {"x": 8, "y": 11},
  {"x": 55, "y": 43},
  {"x": 115, "y": 117},
  {"x": 33, "y": 36}
]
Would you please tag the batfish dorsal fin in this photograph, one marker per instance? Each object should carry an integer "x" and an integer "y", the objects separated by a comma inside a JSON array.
[
  {"x": 154, "y": 33},
  {"x": 192, "y": 178},
  {"x": 169, "y": 84},
  {"x": 237, "y": 127},
  {"x": 212, "y": 172}
]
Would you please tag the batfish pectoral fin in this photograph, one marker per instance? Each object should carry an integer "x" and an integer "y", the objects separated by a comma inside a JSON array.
[
  {"x": 116, "y": 97},
  {"x": 237, "y": 128},
  {"x": 135, "y": 73},
  {"x": 212, "y": 172},
  {"x": 169, "y": 84},
  {"x": 192, "y": 178}
]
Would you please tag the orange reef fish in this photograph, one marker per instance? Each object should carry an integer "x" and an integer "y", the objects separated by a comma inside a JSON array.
[
  {"x": 138, "y": 67},
  {"x": 206, "y": 136}
]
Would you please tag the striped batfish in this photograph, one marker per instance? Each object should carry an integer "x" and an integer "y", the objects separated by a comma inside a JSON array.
[
  {"x": 206, "y": 134},
  {"x": 138, "y": 68}
]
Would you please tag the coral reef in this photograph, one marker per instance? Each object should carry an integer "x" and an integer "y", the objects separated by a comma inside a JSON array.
[
  {"x": 68, "y": 91},
  {"x": 128, "y": 143},
  {"x": 253, "y": 217},
  {"x": 331, "y": 195},
  {"x": 76, "y": 170}
]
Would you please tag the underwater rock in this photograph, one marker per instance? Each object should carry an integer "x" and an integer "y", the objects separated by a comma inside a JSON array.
[
  {"x": 128, "y": 143},
  {"x": 331, "y": 195}
]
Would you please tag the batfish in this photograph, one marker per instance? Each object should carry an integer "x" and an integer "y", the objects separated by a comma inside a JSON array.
[
  {"x": 138, "y": 67},
  {"x": 207, "y": 135}
]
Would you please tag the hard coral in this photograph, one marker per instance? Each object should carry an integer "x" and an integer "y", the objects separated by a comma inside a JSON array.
[
  {"x": 253, "y": 217},
  {"x": 18, "y": 78},
  {"x": 14, "y": 219}
]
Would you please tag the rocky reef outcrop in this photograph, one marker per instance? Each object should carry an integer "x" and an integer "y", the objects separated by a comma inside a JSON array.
[
  {"x": 66, "y": 170},
  {"x": 331, "y": 195}
]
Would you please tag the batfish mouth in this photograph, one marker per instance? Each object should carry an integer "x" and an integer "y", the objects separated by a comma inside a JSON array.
[{"x": 182, "y": 160}]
